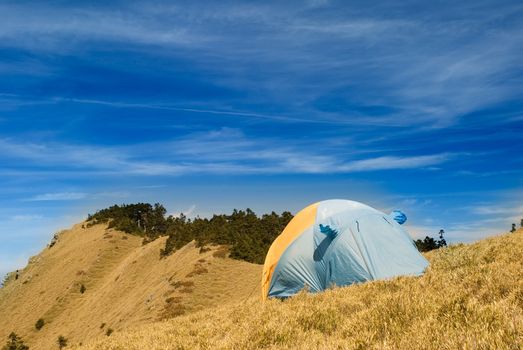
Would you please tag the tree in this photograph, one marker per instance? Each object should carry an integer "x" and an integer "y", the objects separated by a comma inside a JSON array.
[
  {"x": 62, "y": 342},
  {"x": 513, "y": 228},
  {"x": 247, "y": 235},
  {"x": 429, "y": 243},
  {"x": 442, "y": 242},
  {"x": 14, "y": 342},
  {"x": 521, "y": 223},
  {"x": 39, "y": 324}
]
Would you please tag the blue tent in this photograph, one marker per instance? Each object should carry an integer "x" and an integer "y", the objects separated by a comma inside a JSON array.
[{"x": 339, "y": 242}]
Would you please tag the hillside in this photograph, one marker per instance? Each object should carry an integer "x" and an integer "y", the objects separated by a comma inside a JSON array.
[
  {"x": 470, "y": 298},
  {"x": 126, "y": 284}
]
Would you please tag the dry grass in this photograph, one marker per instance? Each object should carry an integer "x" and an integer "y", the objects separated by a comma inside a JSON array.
[
  {"x": 173, "y": 308},
  {"x": 221, "y": 253},
  {"x": 470, "y": 298},
  {"x": 125, "y": 287},
  {"x": 199, "y": 269}
]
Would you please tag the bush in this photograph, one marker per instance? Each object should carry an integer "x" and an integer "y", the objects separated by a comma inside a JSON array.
[
  {"x": 173, "y": 307},
  {"x": 61, "y": 341},
  {"x": 39, "y": 324},
  {"x": 14, "y": 342},
  {"x": 109, "y": 331},
  {"x": 82, "y": 289}
]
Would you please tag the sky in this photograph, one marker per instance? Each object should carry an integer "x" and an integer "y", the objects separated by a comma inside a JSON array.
[{"x": 208, "y": 106}]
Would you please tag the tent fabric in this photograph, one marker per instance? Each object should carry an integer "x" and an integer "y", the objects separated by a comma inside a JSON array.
[
  {"x": 294, "y": 228},
  {"x": 338, "y": 242}
]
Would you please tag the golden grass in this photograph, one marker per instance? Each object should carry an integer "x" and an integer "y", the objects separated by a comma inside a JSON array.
[
  {"x": 126, "y": 284},
  {"x": 471, "y": 297}
]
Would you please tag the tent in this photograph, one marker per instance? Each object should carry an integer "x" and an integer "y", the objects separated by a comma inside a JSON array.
[{"x": 338, "y": 242}]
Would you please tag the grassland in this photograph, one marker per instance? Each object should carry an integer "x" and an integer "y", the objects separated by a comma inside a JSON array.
[
  {"x": 471, "y": 297},
  {"x": 124, "y": 284}
]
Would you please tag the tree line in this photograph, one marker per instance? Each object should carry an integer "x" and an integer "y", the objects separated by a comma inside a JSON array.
[{"x": 249, "y": 236}]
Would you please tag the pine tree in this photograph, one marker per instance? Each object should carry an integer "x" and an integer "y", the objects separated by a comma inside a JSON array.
[
  {"x": 442, "y": 242},
  {"x": 14, "y": 342}
]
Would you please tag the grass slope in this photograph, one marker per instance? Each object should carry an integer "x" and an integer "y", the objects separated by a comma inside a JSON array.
[
  {"x": 126, "y": 284},
  {"x": 470, "y": 298}
]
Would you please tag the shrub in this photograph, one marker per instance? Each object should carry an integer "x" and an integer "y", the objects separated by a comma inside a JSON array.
[
  {"x": 61, "y": 341},
  {"x": 109, "y": 331},
  {"x": 198, "y": 270},
  {"x": 221, "y": 253},
  {"x": 204, "y": 250},
  {"x": 14, "y": 342},
  {"x": 173, "y": 307},
  {"x": 180, "y": 284},
  {"x": 82, "y": 289},
  {"x": 39, "y": 324},
  {"x": 186, "y": 290}
]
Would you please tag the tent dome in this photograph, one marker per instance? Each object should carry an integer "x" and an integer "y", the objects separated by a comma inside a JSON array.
[{"x": 338, "y": 242}]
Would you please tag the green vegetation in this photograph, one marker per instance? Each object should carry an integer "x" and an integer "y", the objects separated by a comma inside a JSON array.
[
  {"x": 248, "y": 236},
  {"x": 82, "y": 289},
  {"x": 61, "y": 341},
  {"x": 39, "y": 324},
  {"x": 141, "y": 219},
  {"x": 109, "y": 331},
  {"x": 429, "y": 243},
  {"x": 14, "y": 342}
]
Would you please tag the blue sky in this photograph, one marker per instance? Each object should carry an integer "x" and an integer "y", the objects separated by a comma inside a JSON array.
[{"x": 209, "y": 106}]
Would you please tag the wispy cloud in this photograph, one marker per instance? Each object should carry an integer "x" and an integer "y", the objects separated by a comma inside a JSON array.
[
  {"x": 26, "y": 218},
  {"x": 287, "y": 55},
  {"x": 384, "y": 163},
  {"x": 226, "y": 151},
  {"x": 58, "y": 196},
  {"x": 492, "y": 209}
]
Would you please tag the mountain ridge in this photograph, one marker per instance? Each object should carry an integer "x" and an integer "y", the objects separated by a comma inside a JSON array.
[{"x": 124, "y": 282}]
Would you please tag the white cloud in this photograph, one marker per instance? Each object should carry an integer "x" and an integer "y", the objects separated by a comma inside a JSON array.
[
  {"x": 58, "y": 196},
  {"x": 27, "y": 217},
  {"x": 464, "y": 68},
  {"x": 220, "y": 151},
  {"x": 394, "y": 162}
]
